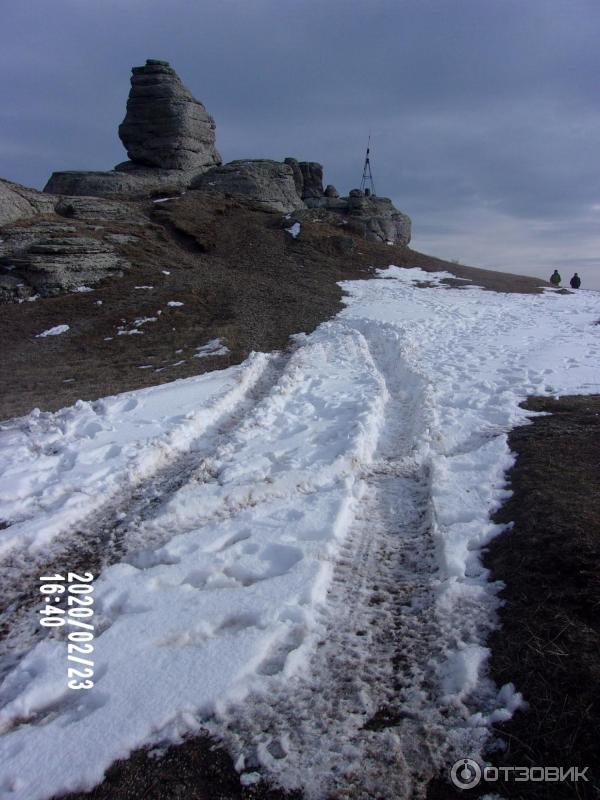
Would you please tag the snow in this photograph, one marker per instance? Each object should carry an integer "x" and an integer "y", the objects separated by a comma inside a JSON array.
[
  {"x": 174, "y": 303},
  {"x": 143, "y": 321},
  {"x": 231, "y": 586},
  {"x": 165, "y": 272},
  {"x": 215, "y": 347},
  {"x": 294, "y": 230},
  {"x": 143, "y": 287},
  {"x": 83, "y": 289},
  {"x": 55, "y": 331},
  {"x": 59, "y": 467}
]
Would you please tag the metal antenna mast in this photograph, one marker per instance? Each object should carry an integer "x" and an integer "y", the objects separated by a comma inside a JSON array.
[{"x": 367, "y": 176}]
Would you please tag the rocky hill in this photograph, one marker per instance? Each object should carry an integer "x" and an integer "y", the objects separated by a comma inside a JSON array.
[{"x": 173, "y": 249}]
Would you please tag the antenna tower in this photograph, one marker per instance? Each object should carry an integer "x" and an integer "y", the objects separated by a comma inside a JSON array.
[{"x": 367, "y": 176}]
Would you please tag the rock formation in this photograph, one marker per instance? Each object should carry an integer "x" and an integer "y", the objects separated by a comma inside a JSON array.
[
  {"x": 50, "y": 257},
  {"x": 312, "y": 179},
  {"x": 18, "y": 202},
  {"x": 52, "y": 244},
  {"x": 268, "y": 185},
  {"x": 165, "y": 126},
  {"x": 170, "y": 140},
  {"x": 168, "y": 134},
  {"x": 55, "y": 265},
  {"x": 308, "y": 177},
  {"x": 378, "y": 219},
  {"x": 139, "y": 182}
]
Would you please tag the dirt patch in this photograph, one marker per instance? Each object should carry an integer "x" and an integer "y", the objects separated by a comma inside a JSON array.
[
  {"x": 197, "y": 770},
  {"x": 239, "y": 275}
]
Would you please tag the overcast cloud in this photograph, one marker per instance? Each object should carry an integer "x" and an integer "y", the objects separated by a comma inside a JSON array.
[{"x": 484, "y": 114}]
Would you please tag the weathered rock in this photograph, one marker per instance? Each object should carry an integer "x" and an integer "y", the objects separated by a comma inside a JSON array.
[
  {"x": 380, "y": 219},
  {"x": 269, "y": 185},
  {"x": 13, "y": 288},
  {"x": 18, "y": 202},
  {"x": 374, "y": 218},
  {"x": 97, "y": 209},
  {"x": 312, "y": 179},
  {"x": 331, "y": 191},
  {"x": 137, "y": 182},
  {"x": 56, "y": 265},
  {"x": 165, "y": 126},
  {"x": 17, "y": 239},
  {"x": 298, "y": 178}
]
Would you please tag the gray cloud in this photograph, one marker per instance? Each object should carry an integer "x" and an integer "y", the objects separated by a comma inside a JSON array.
[{"x": 485, "y": 116}]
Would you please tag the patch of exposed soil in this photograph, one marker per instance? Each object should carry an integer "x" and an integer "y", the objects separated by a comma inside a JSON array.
[
  {"x": 237, "y": 272},
  {"x": 196, "y": 770}
]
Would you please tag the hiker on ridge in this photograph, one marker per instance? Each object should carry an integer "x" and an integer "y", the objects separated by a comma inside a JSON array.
[
  {"x": 575, "y": 281},
  {"x": 555, "y": 278}
]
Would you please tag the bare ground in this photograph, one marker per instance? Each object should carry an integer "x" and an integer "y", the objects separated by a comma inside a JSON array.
[{"x": 240, "y": 277}]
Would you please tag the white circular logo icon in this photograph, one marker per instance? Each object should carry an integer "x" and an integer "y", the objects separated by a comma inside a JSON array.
[{"x": 465, "y": 773}]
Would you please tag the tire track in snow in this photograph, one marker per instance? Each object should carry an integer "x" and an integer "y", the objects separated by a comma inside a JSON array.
[
  {"x": 364, "y": 721},
  {"x": 112, "y": 535}
]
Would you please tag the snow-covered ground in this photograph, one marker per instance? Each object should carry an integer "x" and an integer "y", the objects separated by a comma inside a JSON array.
[{"x": 311, "y": 591}]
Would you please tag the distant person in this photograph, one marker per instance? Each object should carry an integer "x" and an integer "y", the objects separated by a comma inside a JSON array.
[
  {"x": 555, "y": 278},
  {"x": 575, "y": 281}
]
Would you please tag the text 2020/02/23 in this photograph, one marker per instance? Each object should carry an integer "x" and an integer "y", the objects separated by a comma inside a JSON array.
[{"x": 77, "y": 612}]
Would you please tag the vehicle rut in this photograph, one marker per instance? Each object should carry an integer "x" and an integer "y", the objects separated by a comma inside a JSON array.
[{"x": 113, "y": 534}]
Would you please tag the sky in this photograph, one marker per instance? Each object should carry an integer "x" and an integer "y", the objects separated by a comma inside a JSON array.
[{"x": 484, "y": 115}]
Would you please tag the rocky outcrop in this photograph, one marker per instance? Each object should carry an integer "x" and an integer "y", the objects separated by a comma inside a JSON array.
[
  {"x": 169, "y": 137},
  {"x": 312, "y": 179},
  {"x": 18, "y": 202},
  {"x": 267, "y": 185},
  {"x": 378, "y": 218},
  {"x": 136, "y": 183},
  {"x": 98, "y": 209},
  {"x": 297, "y": 172},
  {"x": 57, "y": 264},
  {"x": 50, "y": 257},
  {"x": 165, "y": 126}
]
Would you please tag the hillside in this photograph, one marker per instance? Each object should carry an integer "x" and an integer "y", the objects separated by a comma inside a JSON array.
[
  {"x": 323, "y": 545},
  {"x": 239, "y": 274}
]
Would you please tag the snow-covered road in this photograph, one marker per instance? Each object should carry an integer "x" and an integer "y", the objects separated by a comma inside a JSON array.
[{"x": 297, "y": 542}]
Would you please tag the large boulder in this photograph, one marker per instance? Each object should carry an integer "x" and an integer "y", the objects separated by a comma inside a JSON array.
[
  {"x": 165, "y": 126},
  {"x": 18, "y": 202},
  {"x": 268, "y": 185},
  {"x": 169, "y": 137},
  {"x": 378, "y": 219}
]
